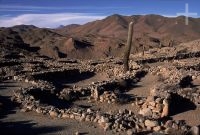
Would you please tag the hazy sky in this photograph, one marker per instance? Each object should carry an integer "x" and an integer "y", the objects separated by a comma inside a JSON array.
[{"x": 52, "y": 13}]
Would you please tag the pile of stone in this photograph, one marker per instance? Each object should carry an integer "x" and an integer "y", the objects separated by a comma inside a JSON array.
[
  {"x": 155, "y": 107},
  {"x": 187, "y": 62},
  {"x": 192, "y": 94},
  {"x": 134, "y": 65},
  {"x": 102, "y": 95},
  {"x": 70, "y": 94},
  {"x": 116, "y": 71},
  {"x": 177, "y": 82},
  {"x": 105, "y": 65},
  {"x": 169, "y": 74},
  {"x": 44, "y": 85},
  {"x": 123, "y": 120},
  {"x": 160, "y": 55},
  {"x": 96, "y": 89},
  {"x": 174, "y": 76},
  {"x": 108, "y": 97}
]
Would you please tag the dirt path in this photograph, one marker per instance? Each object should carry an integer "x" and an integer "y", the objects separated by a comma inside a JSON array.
[{"x": 142, "y": 88}]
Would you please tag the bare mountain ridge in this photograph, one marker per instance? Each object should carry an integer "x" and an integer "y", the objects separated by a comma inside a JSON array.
[
  {"x": 12, "y": 44},
  {"x": 153, "y": 25},
  {"x": 149, "y": 30},
  {"x": 150, "y": 24},
  {"x": 107, "y": 37}
]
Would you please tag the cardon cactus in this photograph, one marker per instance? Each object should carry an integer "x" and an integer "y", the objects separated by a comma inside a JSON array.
[
  {"x": 143, "y": 49},
  {"x": 128, "y": 47}
]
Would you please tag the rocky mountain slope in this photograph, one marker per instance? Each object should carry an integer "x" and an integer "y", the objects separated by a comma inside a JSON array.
[{"x": 104, "y": 38}]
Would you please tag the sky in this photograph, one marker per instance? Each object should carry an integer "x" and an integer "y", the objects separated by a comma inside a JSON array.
[{"x": 53, "y": 13}]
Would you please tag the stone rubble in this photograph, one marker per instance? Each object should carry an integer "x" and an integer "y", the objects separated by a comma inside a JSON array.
[{"x": 153, "y": 115}]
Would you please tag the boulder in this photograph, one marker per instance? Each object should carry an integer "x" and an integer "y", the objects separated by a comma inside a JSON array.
[
  {"x": 151, "y": 123},
  {"x": 146, "y": 112}
]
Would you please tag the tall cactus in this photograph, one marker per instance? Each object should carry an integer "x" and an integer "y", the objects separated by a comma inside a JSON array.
[
  {"x": 128, "y": 47},
  {"x": 143, "y": 49}
]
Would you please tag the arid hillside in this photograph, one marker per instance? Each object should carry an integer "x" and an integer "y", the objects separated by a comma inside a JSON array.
[{"x": 105, "y": 38}]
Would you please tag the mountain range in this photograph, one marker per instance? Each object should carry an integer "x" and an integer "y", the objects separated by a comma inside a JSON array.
[{"x": 100, "y": 38}]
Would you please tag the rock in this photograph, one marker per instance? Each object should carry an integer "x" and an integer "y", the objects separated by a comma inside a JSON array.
[
  {"x": 65, "y": 115},
  {"x": 168, "y": 130},
  {"x": 158, "y": 108},
  {"x": 71, "y": 116},
  {"x": 146, "y": 112},
  {"x": 121, "y": 127},
  {"x": 38, "y": 110},
  {"x": 168, "y": 124},
  {"x": 104, "y": 119},
  {"x": 77, "y": 133},
  {"x": 194, "y": 77},
  {"x": 165, "y": 111},
  {"x": 150, "y": 123},
  {"x": 155, "y": 115},
  {"x": 15, "y": 78},
  {"x": 152, "y": 103},
  {"x": 62, "y": 111},
  {"x": 150, "y": 98},
  {"x": 23, "y": 110},
  {"x": 151, "y": 107},
  {"x": 96, "y": 93},
  {"x": 26, "y": 80},
  {"x": 12, "y": 99},
  {"x": 157, "y": 128},
  {"x": 82, "y": 118},
  {"x": 175, "y": 126},
  {"x": 140, "y": 102},
  {"x": 109, "y": 102},
  {"x": 88, "y": 118},
  {"x": 107, "y": 126},
  {"x": 53, "y": 114},
  {"x": 145, "y": 105},
  {"x": 92, "y": 118},
  {"x": 77, "y": 117},
  {"x": 113, "y": 100},
  {"x": 29, "y": 107},
  {"x": 157, "y": 133},
  {"x": 59, "y": 115},
  {"x": 172, "y": 131},
  {"x": 101, "y": 99},
  {"x": 165, "y": 102},
  {"x": 194, "y": 130},
  {"x": 158, "y": 100},
  {"x": 130, "y": 132},
  {"x": 120, "y": 111},
  {"x": 89, "y": 110},
  {"x": 95, "y": 120}
]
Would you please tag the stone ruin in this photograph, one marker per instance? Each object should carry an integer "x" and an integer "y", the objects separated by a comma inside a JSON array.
[{"x": 58, "y": 81}]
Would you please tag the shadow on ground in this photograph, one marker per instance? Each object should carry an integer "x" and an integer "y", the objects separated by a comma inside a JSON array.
[
  {"x": 15, "y": 127},
  {"x": 5, "y": 85},
  {"x": 25, "y": 128},
  {"x": 61, "y": 78},
  {"x": 180, "y": 104},
  {"x": 47, "y": 98}
]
